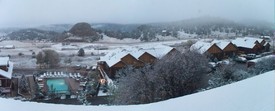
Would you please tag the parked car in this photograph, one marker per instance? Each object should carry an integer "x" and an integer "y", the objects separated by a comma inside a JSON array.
[
  {"x": 250, "y": 56},
  {"x": 77, "y": 67},
  {"x": 240, "y": 59}
]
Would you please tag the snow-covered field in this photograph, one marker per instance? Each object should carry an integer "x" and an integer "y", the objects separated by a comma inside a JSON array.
[
  {"x": 69, "y": 51},
  {"x": 253, "y": 94},
  {"x": 115, "y": 40}
]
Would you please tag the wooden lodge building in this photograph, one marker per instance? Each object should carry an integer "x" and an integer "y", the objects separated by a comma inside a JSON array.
[
  {"x": 6, "y": 68},
  {"x": 248, "y": 45},
  {"x": 219, "y": 49},
  {"x": 212, "y": 50},
  {"x": 228, "y": 48},
  {"x": 134, "y": 56}
]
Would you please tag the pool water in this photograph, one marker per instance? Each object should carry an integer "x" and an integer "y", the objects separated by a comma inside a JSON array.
[{"x": 57, "y": 86}]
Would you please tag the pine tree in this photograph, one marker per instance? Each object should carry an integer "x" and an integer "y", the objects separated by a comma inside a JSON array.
[{"x": 81, "y": 52}]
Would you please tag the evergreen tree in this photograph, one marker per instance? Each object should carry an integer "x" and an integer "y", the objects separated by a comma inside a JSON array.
[{"x": 81, "y": 52}]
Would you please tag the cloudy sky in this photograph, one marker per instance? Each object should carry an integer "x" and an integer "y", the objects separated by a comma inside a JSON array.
[{"x": 18, "y": 13}]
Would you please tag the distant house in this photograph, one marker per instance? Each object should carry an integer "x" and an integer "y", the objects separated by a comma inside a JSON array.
[
  {"x": 165, "y": 33},
  {"x": 266, "y": 47},
  {"x": 212, "y": 50},
  {"x": 147, "y": 58},
  {"x": 248, "y": 45},
  {"x": 266, "y": 38},
  {"x": 133, "y": 56},
  {"x": 7, "y": 47},
  {"x": 228, "y": 48},
  {"x": 6, "y": 68}
]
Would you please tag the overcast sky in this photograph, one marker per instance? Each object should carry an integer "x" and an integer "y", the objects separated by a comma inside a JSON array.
[{"x": 14, "y": 13}]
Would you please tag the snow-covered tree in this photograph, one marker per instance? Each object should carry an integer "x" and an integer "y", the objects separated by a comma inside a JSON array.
[
  {"x": 24, "y": 85},
  {"x": 226, "y": 74},
  {"x": 172, "y": 76},
  {"x": 48, "y": 57},
  {"x": 263, "y": 66}
]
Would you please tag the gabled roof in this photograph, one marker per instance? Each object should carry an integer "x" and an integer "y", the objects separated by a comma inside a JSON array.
[
  {"x": 201, "y": 46},
  {"x": 4, "y": 61},
  {"x": 266, "y": 43},
  {"x": 115, "y": 55},
  {"x": 157, "y": 51},
  {"x": 220, "y": 43},
  {"x": 254, "y": 39},
  {"x": 244, "y": 42}
]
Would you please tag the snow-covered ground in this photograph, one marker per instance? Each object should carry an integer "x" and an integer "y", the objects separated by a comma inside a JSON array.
[
  {"x": 115, "y": 40},
  {"x": 69, "y": 51},
  {"x": 222, "y": 34},
  {"x": 253, "y": 94},
  {"x": 182, "y": 34},
  {"x": 162, "y": 38}
]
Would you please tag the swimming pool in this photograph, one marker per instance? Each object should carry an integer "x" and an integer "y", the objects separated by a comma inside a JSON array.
[{"x": 57, "y": 86}]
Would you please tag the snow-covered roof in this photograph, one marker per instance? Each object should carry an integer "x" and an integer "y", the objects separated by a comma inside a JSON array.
[
  {"x": 4, "y": 61},
  {"x": 201, "y": 46},
  {"x": 157, "y": 51},
  {"x": 244, "y": 42},
  {"x": 266, "y": 43},
  {"x": 115, "y": 55},
  {"x": 254, "y": 39},
  {"x": 220, "y": 43},
  {"x": 252, "y": 94}
]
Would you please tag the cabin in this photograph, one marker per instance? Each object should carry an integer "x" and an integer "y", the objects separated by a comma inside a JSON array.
[
  {"x": 249, "y": 45},
  {"x": 6, "y": 68},
  {"x": 266, "y": 47},
  {"x": 112, "y": 62},
  {"x": 212, "y": 50},
  {"x": 136, "y": 57},
  {"x": 228, "y": 48},
  {"x": 147, "y": 58}
]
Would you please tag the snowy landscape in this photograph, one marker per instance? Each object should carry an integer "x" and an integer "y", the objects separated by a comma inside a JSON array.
[{"x": 137, "y": 55}]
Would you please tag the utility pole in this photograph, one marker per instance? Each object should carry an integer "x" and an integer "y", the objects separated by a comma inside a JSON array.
[{"x": 273, "y": 42}]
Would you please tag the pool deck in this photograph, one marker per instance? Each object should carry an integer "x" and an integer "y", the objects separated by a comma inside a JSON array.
[{"x": 73, "y": 84}]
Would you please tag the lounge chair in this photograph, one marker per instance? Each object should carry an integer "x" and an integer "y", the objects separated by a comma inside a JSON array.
[
  {"x": 78, "y": 75},
  {"x": 71, "y": 75}
]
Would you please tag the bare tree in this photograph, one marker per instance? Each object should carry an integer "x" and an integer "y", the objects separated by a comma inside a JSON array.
[
  {"x": 226, "y": 74},
  {"x": 188, "y": 43},
  {"x": 40, "y": 58},
  {"x": 173, "y": 76},
  {"x": 134, "y": 88},
  {"x": 49, "y": 57},
  {"x": 263, "y": 66},
  {"x": 180, "y": 74}
]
